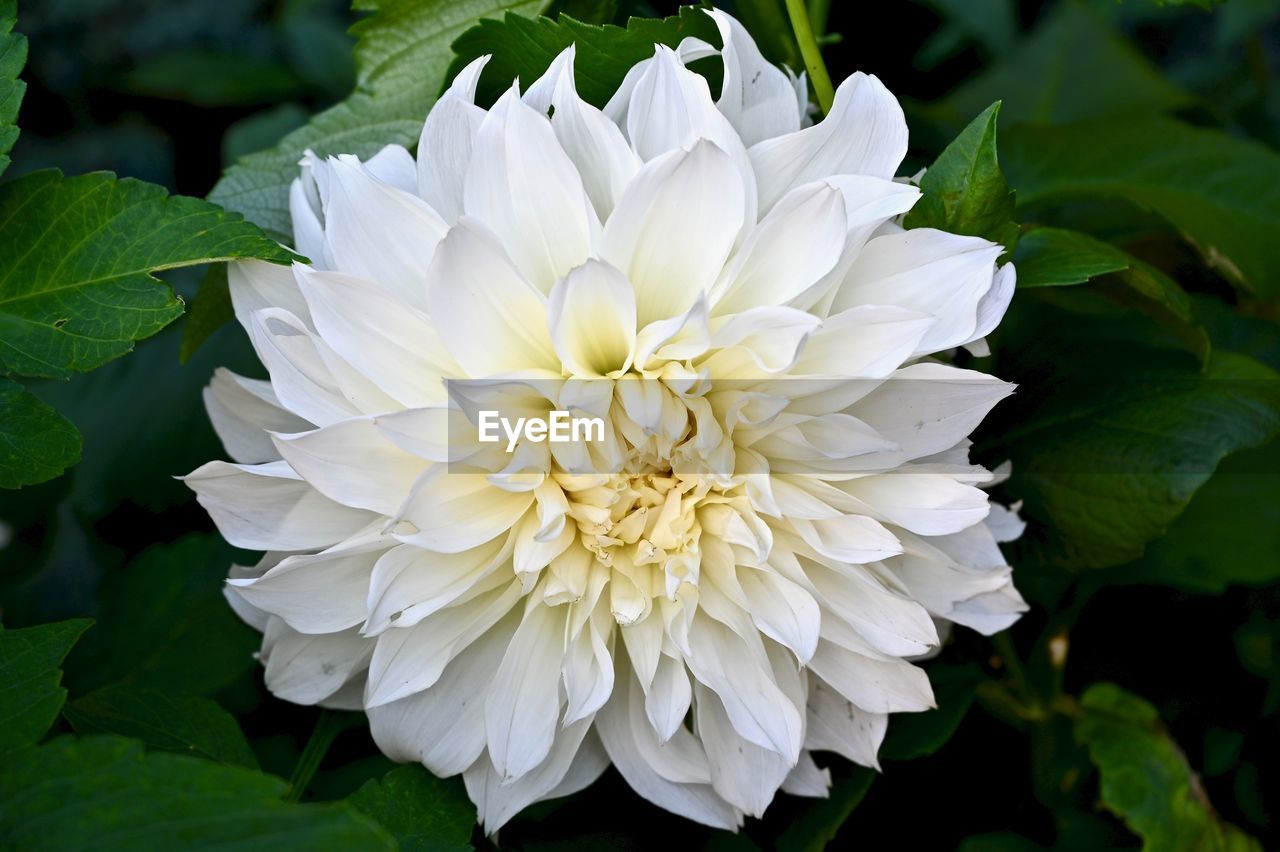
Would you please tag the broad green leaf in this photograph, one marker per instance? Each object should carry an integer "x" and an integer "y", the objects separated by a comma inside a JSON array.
[
  {"x": 424, "y": 813},
  {"x": 993, "y": 24},
  {"x": 107, "y": 793},
  {"x": 1074, "y": 66},
  {"x": 401, "y": 57},
  {"x": 964, "y": 191},
  {"x": 1056, "y": 257},
  {"x": 1221, "y": 193},
  {"x": 1109, "y": 437},
  {"x": 36, "y": 442},
  {"x": 209, "y": 311},
  {"x": 819, "y": 822},
  {"x": 13, "y": 56},
  {"x": 1146, "y": 780},
  {"x": 77, "y": 263},
  {"x": 913, "y": 735},
  {"x": 182, "y": 724},
  {"x": 523, "y": 48},
  {"x": 31, "y": 693},
  {"x": 1218, "y": 540},
  {"x": 165, "y": 624}
]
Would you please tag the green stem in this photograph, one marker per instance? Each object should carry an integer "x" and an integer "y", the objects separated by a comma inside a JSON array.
[
  {"x": 812, "y": 54},
  {"x": 1013, "y": 664},
  {"x": 327, "y": 728}
]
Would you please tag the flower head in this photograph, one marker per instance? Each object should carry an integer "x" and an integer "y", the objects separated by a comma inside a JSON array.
[{"x": 779, "y": 512}]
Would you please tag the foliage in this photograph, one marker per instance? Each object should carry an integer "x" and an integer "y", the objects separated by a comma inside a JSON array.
[{"x": 1124, "y": 155}]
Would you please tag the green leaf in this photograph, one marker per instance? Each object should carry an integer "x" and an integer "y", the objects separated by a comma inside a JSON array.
[
  {"x": 1110, "y": 438},
  {"x": 211, "y": 78},
  {"x": 524, "y": 49},
  {"x": 107, "y": 793},
  {"x": 182, "y": 724},
  {"x": 1221, "y": 193},
  {"x": 818, "y": 823},
  {"x": 1056, "y": 257},
  {"x": 31, "y": 694},
  {"x": 36, "y": 442},
  {"x": 914, "y": 735},
  {"x": 13, "y": 57},
  {"x": 424, "y": 813},
  {"x": 210, "y": 310},
  {"x": 964, "y": 191},
  {"x": 401, "y": 57},
  {"x": 165, "y": 624},
  {"x": 1216, "y": 542},
  {"x": 1145, "y": 777},
  {"x": 76, "y": 264},
  {"x": 1073, "y": 67},
  {"x": 993, "y": 24}
]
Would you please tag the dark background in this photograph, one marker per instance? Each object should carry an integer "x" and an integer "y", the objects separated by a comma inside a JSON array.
[{"x": 171, "y": 91}]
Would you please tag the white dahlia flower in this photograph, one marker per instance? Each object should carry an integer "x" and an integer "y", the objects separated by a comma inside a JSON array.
[{"x": 780, "y": 517}]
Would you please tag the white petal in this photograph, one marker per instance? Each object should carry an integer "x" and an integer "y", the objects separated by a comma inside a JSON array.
[
  {"x": 491, "y": 320},
  {"x": 865, "y": 133},
  {"x": 307, "y": 669},
  {"x": 323, "y": 593},
  {"x": 409, "y": 583},
  {"x": 354, "y": 464},
  {"x": 410, "y": 659},
  {"x": 807, "y": 779},
  {"x": 875, "y": 686},
  {"x": 788, "y": 252},
  {"x": 453, "y": 512},
  {"x": 868, "y": 341},
  {"x": 928, "y": 271},
  {"x": 268, "y": 507},
  {"x": 746, "y": 775},
  {"x": 671, "y": 108},
  {"x": 592, "y": 320},
  {"x": 523, "y": 185},
  {"x": 443, "y": 727},
  {"x": 498, "y": 801},
  {"x": 387, "y": 340},
  {"x": 674, "y": 228},
  {"x": 243, "y": 411},
  {"x": 757, "y": 97},
  {"x": 444, "y": 148},
  {"x": 378, "y": 232},
  {"x": 836, "y": 725}
]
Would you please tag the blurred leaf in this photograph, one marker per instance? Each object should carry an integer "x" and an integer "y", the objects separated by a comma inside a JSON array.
[
  {"x": 31, "y": 694},
  {"x": 914, "y": 735},
  {"x": 1056, "y": 257},
  {"x": 1216, "y": 542},
  {"x": 77, "y": 290},
  {"x": 164, "y": 623},
  {"x": 1112, "y": 435},
  {"x": 210, "y": 310},
  {"x": 13, "y": 57},
  {"x": 401, "y": 56},
  {"x": 36, "y": 442},
  {"x": 1258, "y": 647},
  {"x": 319, "y": 49},
  {"x": 821, "y": 819},
  {"x": 964, "y": 191},
  {"x": 181, "y": 724},
  {"x": 212, "y": 78},
  {"x": 1074, "y": 66},
  {"x": 1221, "y": 193},
  {"x": 524, "y": 48},
  {"x": 106, "y": 793},
  {"x": 261, "y": 130},
  {"x": 1145, "y": 777},
  {"x": 1001, "y": 841},
  {"x": 424, "y": 813},
  {"x": 992, "y": 24}
]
